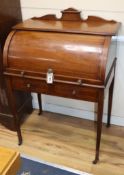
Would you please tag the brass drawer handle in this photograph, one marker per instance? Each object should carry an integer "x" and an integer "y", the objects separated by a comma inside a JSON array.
[
  {"x": 28, "y": 85},
  {"x": 80, "y": 82},
  {"x": 73, "y": 92},
  {"x": 22, "y": 73}
]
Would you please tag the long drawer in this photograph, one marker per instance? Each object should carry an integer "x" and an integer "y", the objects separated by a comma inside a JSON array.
[{"x": 56, "y": 89}]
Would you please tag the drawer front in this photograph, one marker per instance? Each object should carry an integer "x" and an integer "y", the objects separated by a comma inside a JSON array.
[{"x": 56, "y": 89}]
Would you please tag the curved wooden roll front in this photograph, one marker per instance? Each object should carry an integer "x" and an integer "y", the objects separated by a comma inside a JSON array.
[{"x": 74, "y": 56}]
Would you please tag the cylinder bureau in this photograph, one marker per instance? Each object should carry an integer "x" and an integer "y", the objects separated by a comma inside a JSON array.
[{"x": 68, "y": 57}]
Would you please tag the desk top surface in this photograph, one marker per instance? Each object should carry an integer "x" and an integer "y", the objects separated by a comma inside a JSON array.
[{"x": 71, "y": 22}]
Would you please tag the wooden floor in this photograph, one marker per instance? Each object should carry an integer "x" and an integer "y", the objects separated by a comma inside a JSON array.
[{"x": 70, "y": 142}]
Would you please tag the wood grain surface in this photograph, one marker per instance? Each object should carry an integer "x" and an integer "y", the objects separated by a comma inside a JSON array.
[
  {"x": 9, "y": 161},
  {"x": 69, "y": 141}
]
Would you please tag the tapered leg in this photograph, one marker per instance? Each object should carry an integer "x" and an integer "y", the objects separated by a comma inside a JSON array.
[
  {"x": 12, "y": 104},
  {"x": 110, "y": 97},
  {"x": 99, "y": 124},
  {"x": 95, "y": 110},
  {"x": 40, "y": 103}
]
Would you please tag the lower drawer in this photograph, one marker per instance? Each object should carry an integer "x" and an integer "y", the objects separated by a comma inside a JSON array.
[{"x": 56, "y": 89}]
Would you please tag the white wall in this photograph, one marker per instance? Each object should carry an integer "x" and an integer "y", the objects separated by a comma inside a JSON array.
[{"x": 112, "y": 9}]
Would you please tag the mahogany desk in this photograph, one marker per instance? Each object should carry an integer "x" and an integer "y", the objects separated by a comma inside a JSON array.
[{"x": 68, "y": 57}]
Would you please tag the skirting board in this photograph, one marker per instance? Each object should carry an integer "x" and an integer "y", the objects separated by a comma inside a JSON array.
[{"x": 90, "y": 115}]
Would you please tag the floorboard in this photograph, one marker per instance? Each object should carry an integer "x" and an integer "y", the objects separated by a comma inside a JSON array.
[{"x": 69, "y": 141}]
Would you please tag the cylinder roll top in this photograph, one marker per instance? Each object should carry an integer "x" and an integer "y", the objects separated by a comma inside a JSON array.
[{"x": 67, "y": 55}]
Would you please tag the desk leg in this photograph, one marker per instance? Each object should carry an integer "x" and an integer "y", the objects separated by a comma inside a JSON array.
[
  {"x": 99, "y": 124},
  {"x": 40, "y": 103},
  {"x": 110, "y": 97},
  {"x": 12, "y": 104},
  {"x": 110, "y": 102}
]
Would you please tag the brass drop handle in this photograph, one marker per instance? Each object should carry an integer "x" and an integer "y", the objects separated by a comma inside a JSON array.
[{"x": 28, "y": 85}]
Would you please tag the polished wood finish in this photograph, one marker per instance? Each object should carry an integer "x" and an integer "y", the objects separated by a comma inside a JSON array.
[
  {"x": 110, "y": 97},
  {"x": 12, "y": 105},
  {"x": 59, "y": 89},
  {"x": 99, "y": 123},
  {"x": 69, "y": 46},
  {"x": 71, "y": 22},
  {"x": 78, "y": 54},
  {"x": 10, "y": 14},
  {"x": 110, "y": 102},
  {"x": 9, "y": 161},
  {"x": 40, "y": 103}
]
